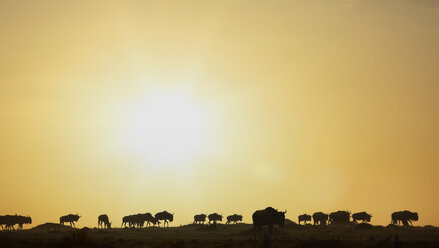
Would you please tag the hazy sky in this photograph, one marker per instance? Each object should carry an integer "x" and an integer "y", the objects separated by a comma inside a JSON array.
[{"x": 122, "y": 107}]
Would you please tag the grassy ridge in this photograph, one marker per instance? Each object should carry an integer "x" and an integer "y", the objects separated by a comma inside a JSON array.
[{"x": 240, "y": 235}]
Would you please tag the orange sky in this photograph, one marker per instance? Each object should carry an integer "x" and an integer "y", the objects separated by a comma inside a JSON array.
[{"x": 301, "y": 105}]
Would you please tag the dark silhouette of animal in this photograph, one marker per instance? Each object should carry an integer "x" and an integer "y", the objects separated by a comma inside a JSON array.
[
  {"x": 71, "y": 218},
  {"x": 2, "y": 221},
  {"x": 199, "y": 219},
  {"x": 151, "y": 220},
  {"x": 363, "y": 216},
  {"x": 405, "y": 217},
  {"x": 8, "y": 222},
  {"x": 127, "y": 220},
  {"x": 103, "y": 221},
  {"x": 304, "y": 217},
  {"x": 339, "y": 218},
  {"x": 215, "y": 217},
  {"x": 267, "y": 217},
  {"x": 165, "y": 216},
  {"x": 234, "y": 218},
  {"x": 320, "y": 218},
  {"x": 138, "y": 220},
  {"x": 20, "y": 220}
]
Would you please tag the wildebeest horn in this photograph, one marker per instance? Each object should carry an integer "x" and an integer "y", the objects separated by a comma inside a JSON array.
[{"x": 285, "y": 211}]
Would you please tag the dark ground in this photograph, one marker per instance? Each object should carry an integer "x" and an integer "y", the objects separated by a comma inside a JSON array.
[{"x": 240, "y": 235}]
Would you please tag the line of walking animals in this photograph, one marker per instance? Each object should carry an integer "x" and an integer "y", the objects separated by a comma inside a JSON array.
[
  {"x": 344, "y": 217},
  {"x": 265, "y": 217}
]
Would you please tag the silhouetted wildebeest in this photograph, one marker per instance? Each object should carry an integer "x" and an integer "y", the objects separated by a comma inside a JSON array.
[
  {"x": 10, "y": 220},
  {"x": 320, "y": 218},
  {"x": 215, "y": 217},
  {"x": 127, "y": 220},
  {"x": 2, "y": 221},
  {"x": 199, "y": 219},
  {"x": 339, "y": 218},
  {"x": 406, "y": 217},
  {"x": 363, "y": 216},
  {"x": 138, "y": 220},
  {"x": 151, "y": 220},
  {"x": 267, "y": 217},
  {"x": 165, "y": 216},
  {"x": 103, "y": 221},
  {"x": 71, "y": 218},
  {"x": 20, "y": 220},
  {"x": 234, "y": 218},
  {"x": 304, "y": 217}
]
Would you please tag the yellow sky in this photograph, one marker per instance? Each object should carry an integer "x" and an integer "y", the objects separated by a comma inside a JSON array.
[{"x": 301, "y": 105}]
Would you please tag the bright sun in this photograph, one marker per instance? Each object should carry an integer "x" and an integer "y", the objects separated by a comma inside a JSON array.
[{"x": 166, "y": 128}]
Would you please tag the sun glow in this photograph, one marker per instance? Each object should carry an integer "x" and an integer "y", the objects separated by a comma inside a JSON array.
[{"x": 166, "y": 128}]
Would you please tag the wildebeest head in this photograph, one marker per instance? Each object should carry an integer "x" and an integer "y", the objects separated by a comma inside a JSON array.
[
  {"x": 280, "y": 218},
  {"x": 415, "y": 216},
  {"x": 76, "y": 217},
  {"x": 109, "y": 225},
  {"x": 28, "y": 220},
  {"x": 368, "y": 216}
]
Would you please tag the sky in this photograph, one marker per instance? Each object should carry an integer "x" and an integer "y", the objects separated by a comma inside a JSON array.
[{"x": 124, "y": 107}]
